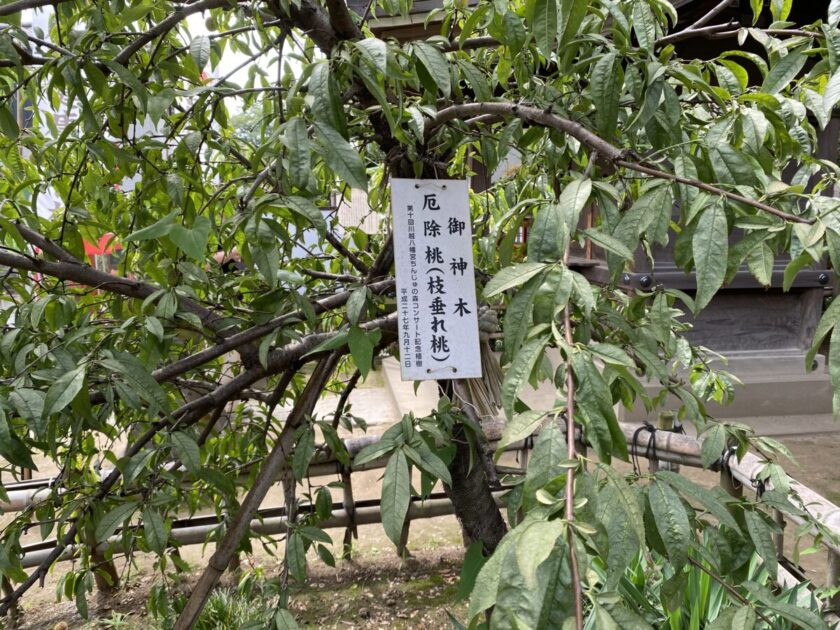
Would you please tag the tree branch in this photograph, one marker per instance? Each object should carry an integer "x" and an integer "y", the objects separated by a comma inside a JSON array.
[
  {"x": 90, "y": 277},
  {"x": 164, "y": 26},
  {"x": 608, "y": 154},
  {"x": 272, "y": 467},
  {"x": 354, "y": 260},
  {"x": 256, "y": 332},
  {"x": 714, "y": 190},
  {"x": 341, "y": 20},
  {"x": 183, "y": 417},
  {"x": 22, "y": 5}
]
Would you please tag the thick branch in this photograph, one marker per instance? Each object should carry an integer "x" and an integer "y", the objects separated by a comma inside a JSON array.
[
  {"x": 690, "y": 33},
  {"x": 314, "y": 21},
  {"x": 531, "y": 114},
  {"x": 274, "y": 464},
  {"x": 90, "y": 277},
  {"x": 166, "y": 25},
  {"x": 342, "y": 21},
  {"x": 22, "y": 5},
  {"x": 256, "y": 332},
  {"x": 608, "y": 154}
]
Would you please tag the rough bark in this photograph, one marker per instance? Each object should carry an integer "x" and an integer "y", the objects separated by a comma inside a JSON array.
[{"x": 470, "y": 494}]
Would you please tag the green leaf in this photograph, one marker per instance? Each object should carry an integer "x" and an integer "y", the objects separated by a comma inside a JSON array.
[
  {"x": 108, "y": 524},
  {"x": 783, "y": 72},
  {"x": 283, "y": 620},
  {"x": 193, "y": 241},
  {"x": 609, "y": 353},
  {"x": 200, "y": 51},
  {"x": 341, "y": 157},
  {"x": 129, "y": 79},
  {"x": 710, "y": 247},
  {"x": 606, "y": 85},
  {"x": 609, "y": 243},
  {"x": 187, "y": 450},
  {"x": 535, "y": 545},
  {"x": 572, "y": 201},
  {"x": 731, "y": 166},
  {"x": 801, "y": 617},
  {"x": 29, "y": 403},
  {"x": 473, "y": 561},
  {"x": 296, "y": 140},
  {"x": 760, "y": 264},
  {"x": 521, "y": 426},
  {"x": 762, "y": 537},
  {"x": 834, "y": 368},
  {"x": 302, "y": 452},
  {"x": 373, "y": 451},
  {"x": 486, "y": 587},
  {"x": 671, "y": 522},
  {"x": 159, "y": 228},
  {"x": 714, "y": 443},
  {"x": 396, "y": 496},
  {"x": 138, "y": 378},
  {"x": 362, "y": 344},
  {"x": 355, "y": 304},
  {"x": 734, "y": 618},
  {"x": 155, "y": 531},
  {"x": 547, "y": 237},
  {"x": 12, "y": 448},
  {"x": 296, "y": 556},
  {"x": 436, "y": 65},
  {"x": 8, "y": 123},
  {"x": 62, "y": 392},
  {"x": 644, "y": 25},
  {"x": 518, "y": 317},
  {"x": 833, "y": 13},
  {"x": 780, "y": 9},
  {"x": 375, "y": 52},
  {"x": 550, "y": 451},
  {"x": 308, "y": 210},
  {"x": 427, "y": 461},
  {"x": 517, "y": 375},
  {"x": 545, "y": 25},
  {"x": 713, "y": 502},
  {"x": 512, "y": 276},
  {"x": 582, "y": 291},
  {"x": 828, "y": 321}
]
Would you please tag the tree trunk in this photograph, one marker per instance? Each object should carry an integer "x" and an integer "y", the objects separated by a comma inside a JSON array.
[{"x": 470, "y": 494}]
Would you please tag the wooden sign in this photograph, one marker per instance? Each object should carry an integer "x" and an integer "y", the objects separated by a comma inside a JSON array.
[{"x": 438, "y": 322}]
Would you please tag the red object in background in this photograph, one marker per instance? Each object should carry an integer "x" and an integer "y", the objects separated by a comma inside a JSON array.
[{"x": 106, "y": 245}]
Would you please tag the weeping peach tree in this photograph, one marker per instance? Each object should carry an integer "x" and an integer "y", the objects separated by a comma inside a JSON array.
[{"x": 153, "y": 384}]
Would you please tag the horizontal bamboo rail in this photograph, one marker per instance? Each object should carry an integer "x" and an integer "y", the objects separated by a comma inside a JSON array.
[
  {"x": 269, "y": 522},
  {"x": 658, "y": 446}
]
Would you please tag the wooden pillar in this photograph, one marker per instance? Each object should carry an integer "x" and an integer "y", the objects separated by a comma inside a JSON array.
[
  {"x": 833, "y": 579},
  {"x": 351, "y": 531},
  {"x": 779, "y": 539}
]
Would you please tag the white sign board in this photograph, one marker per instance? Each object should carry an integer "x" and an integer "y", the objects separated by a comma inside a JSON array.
[{"x": 438, "y": 320}]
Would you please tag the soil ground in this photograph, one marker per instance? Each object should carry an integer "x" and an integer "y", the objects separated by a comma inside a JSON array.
[{"x": 375, "y": 589}]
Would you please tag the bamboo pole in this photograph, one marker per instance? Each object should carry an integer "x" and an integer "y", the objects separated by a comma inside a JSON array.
[{"x": 268, "y": 522}]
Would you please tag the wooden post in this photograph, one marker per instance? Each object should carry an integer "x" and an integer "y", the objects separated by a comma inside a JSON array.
[
  {"x": 779, "y": 539},
  {"x": 727, "y": 481},
  {"x": 350, "y": 507},
  {"x": 13, "y": 617},
  {"x": 402, "y": 548},
  {"x": 833, "y": 579}
]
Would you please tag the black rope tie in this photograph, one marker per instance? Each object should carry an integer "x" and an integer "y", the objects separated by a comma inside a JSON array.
[
  {"x": 723, "y": 464},
  {"x": 650, "y": 450},
  {"x": 760, "y": 486}
]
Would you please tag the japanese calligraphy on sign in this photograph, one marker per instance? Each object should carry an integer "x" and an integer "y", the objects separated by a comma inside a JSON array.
[{"x": 438, "y": 323}]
